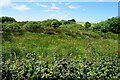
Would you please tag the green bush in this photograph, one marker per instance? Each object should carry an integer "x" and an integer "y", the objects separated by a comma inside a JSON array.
[
  {"x": 11, "y": 26},
  {"x": 65, "y": 22},
  {"x": 47, "y": 23},
  {"x": 55, "y": 24},
  {"x": 32, "y": 67},
  {"x": 71, "y": 26},
  {"x": 111, "y": 25},
  {"x": 87, "y": 25},
  {"x": 72, "y": 21},
  {"x": 14, "y": 26},
  {"x": 7, "y": 19},
  {"x": 32, "y": 25}
]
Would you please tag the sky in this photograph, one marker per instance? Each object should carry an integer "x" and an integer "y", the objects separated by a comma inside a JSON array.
[{"x": 80, "y": 11}]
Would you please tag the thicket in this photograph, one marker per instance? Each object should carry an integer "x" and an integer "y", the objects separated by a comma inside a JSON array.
[
  {"x": 32, "y": 67},
  {"x": 7, "y": 19},
  {"x": 10, "y": 26},
  {"x": 71, "y": 26},
  {"x": 87, "y": 24},
  {"x": 110, "y": 25},
  {"x": 32, "y": 25}
]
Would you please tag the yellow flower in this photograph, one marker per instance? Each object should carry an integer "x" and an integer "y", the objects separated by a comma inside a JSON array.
[{"x": 17, "y": 65}]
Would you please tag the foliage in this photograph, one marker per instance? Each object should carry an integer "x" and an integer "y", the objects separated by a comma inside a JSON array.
[
  {"x": 32, "y": 66},
  {"x": 72, "y": 20},
  {"x": 62, "y": 41},
  {"x": 64, "y": 53},
  {"x": 65, "y": 22},
  {"x": 55, "y": 24},
  {"x": 47, "y": 23},
  {"x": 12, "y": 26},
  {"x": 87, "y": 25},
  {"x": 7, "y": 19},
  {"x": 32, "y": 25},
  {"x": 111, "y": 25},
  {"x": 22, "y": 23},
  {"x": 71, "y": 26}
]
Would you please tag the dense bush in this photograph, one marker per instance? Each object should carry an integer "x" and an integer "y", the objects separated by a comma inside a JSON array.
[
  {"x": 22, "y": 23},
  {"x": 87, "y": 25},
  {"x": 33, "y": 67},
  {"x": 55, "y": 24},
  {"x": 71, "y": 26},
  {"x": 65, "y": 22},
  {"x": 7, "y": 19},
  {"x": 11, "y": 26},
  {"x": 72, "y": 20},
  {"x": 47, "y": 23},
  {"x": 32, "y": 25},
  {"x": 112, "y": 25}
]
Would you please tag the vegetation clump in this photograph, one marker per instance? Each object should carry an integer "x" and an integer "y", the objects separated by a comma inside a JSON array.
[
  {"x": 110, "y": 25},
  {"x": 7, "y": 19},
  {"x": 32, "y": 66},
  {"x": 87, "y": 25}
]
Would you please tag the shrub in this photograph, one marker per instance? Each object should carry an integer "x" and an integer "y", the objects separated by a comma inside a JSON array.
[
  {"x": 7, "y": 19},
  {"x": 11, "y": 26},
  {"x": 47, "y": 23},
  {"x": 111, "y": 25},
  {"x": 87, "y": 25},
  {"x": 65, "y": 22},
  {"x": 72, "y": 20},
  {"x": 55, "y": 24},
  {"x": 32, "y": 67},
  {"x": 71, "y": 26},
  {"x": 14, "y": 26},
  {"x": 32, "y": 25}
]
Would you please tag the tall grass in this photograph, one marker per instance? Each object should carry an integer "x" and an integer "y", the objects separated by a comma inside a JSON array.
[{"x": 66, "y": 42}]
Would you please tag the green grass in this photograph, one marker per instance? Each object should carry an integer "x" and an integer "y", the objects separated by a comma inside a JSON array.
[
  {"x": 61, "y": 53},
  {"x": 64, "y": 42}
]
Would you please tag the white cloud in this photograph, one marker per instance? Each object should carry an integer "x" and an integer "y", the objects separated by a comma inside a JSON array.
[
  {"x": 5, "y": 3},
  {"x": 54, "y": 6},
  {"x": 67, "y": 3},
  {"x": 21, "y": 7},
  {"x": 71, "y": 7},
  {"x": 42, "y": 5}
]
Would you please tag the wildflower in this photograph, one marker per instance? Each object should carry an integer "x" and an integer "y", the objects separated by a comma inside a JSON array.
[{"x": 17, "y": 65}]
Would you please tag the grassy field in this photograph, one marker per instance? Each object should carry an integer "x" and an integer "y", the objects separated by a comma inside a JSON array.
[
  {"x": 60, "y": 53},
  {"x": 62, "y": 42}
]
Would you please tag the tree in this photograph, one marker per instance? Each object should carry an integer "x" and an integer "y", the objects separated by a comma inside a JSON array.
[
  {"x": 8, "y": 19},
  {"x": 55, "y": 24},
  {"x": 65, "y": 22},
  {"x": 72, "y": 20},
  {"x": 32, "y": 25},
  {"x": 111, "y": 25},
  {"x": 87, "y": 24}
]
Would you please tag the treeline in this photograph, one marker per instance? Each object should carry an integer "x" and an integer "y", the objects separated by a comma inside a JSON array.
[
  {"x": 110, "y": 25},
  {"x": 10, "y": 23}
]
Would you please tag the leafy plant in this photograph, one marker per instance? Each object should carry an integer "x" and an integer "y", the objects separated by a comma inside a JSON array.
[
  {"x": 33, "y": 67},
  {"x": 55, "y": 24},
  {"x": 87, "y": 25}
]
